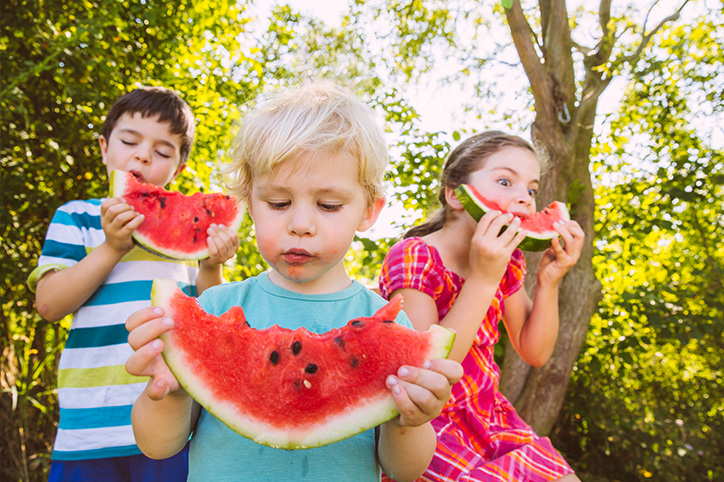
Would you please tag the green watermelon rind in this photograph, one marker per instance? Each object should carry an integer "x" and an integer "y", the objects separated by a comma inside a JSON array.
[
  {"x": 356, "y": 420},
  {"x": 118, "y": 185},
  {"x": 533, "y": 241}
]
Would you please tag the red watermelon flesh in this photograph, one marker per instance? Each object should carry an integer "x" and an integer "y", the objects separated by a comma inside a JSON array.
[
  {"x": 286, "y": 388},
  {"x": 175, "y": 224},
  {"x": 539, "y": 226}
]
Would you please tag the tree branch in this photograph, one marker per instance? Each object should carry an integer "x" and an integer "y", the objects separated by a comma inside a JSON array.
[
  {"x": 646, "y": 37},
  {"x": 520, "y": 31}
]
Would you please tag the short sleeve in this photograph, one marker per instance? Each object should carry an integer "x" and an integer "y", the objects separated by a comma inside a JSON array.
[
  {"x": 514, "y": 277},
  {"x": 73, "y": 231},
  {"x": 409, "y": 264}
]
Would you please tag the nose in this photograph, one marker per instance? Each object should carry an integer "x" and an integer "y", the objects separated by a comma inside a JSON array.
[
  {"x": 301, "y": 221},
  {"x": 523, "y": 197},
  {"x": 143, "y": 153}
]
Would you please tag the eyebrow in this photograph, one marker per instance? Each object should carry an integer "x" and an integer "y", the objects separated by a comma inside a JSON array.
[{"x": 134, "y": 132}]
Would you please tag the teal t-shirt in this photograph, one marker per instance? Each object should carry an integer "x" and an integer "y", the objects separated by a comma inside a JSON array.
[{"x": 219, "y": 454}]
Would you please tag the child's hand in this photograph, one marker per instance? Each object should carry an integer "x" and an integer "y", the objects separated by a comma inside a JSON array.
[
  {"x": 560, "y": 258},
  {"x": 118, "y": 221},
  {"x": 421, "y": 393},
  {"x": 144, "y": 327},
  {"x": 490, "y": 251},
  {"x": 223, "y": 244}
]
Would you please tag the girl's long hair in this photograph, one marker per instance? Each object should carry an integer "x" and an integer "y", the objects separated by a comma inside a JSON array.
[{"x": 464, "y": 160}]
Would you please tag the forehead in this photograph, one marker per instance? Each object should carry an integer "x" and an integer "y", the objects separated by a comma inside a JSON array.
[
  {"x": 146, "y": 127},
  {"x": 516, "y": 160},
  {"x": 321, "y": 171}
]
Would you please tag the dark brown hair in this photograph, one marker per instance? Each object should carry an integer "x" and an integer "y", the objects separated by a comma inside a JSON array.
[
  {"x": 152, "y": 101},
  {"x": 464, "y": 160}
]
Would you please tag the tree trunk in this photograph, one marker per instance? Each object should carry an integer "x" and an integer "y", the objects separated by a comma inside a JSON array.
[{"x": 565, "y": 134}]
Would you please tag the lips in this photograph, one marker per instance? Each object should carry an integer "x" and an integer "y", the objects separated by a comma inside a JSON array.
[
  {"x": 296, "y": 256},
  {"x": 137, "y": 175}
]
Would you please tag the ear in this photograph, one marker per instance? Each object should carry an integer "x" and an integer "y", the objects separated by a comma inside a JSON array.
[
  {"x": 371, "y": 214},
  {"x": 103, "y": 143},
  {"x": 178, "y": 170},
  {"x": 452, "y": 199}
]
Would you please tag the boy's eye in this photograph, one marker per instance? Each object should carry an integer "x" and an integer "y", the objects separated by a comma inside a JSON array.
[
  {"x": 163, "y": 154},
  {"x": 532, "y": 192},
  {"x": 330, "y": 207},
  {"x": 504, "y": 182},
  {"x": 278, "y": 205},
  {"x": 128, "y": 143}
]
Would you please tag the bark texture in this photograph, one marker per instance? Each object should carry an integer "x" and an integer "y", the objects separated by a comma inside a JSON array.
[{"x": 563, "y": 128}]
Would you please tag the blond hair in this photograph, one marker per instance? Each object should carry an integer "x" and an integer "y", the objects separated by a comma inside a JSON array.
[{"x": 318, "y": 117}]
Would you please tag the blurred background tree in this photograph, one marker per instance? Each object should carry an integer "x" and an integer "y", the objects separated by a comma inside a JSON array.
[{"x": 643, "y": 401}]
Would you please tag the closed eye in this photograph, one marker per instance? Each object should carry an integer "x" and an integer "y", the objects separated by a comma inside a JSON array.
[
  {"x": 330, "y": 208},
  {"x": 278, "y": 205},
  {"x": 128, "y": 143},
  {"x": 164, "y": 155}
]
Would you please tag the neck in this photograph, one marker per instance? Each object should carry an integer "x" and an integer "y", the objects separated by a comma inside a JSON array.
[{"x": 453, "y": 244}]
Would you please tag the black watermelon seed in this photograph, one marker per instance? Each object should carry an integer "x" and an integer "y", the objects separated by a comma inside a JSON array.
[
  {"x": 162, "y": 200},
  {"x": 354, "y": 362},
  {"x": 196, "y": 219},
  {"x": 296, "y": 347},
  {"x": 339, "y": 341},
  {"x": 357, "y": 323},
  {"x": 274, "y": 357},
  {"x": 298, "y": 383},
  {"x": 311, "y": 368},
  {"x": 387, "y": 321}
]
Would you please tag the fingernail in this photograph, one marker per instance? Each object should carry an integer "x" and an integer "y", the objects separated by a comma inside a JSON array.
[
  {"x": 427, "y": 365},
  {"x": 391, "y": 380},
  {"x": 168, "y": 322},
  {"x": 403, "y": 372},
  {"x": 396, "y": 390},
  {"x": 157, "y": 311},
  {"x": 156, "y": 344}
]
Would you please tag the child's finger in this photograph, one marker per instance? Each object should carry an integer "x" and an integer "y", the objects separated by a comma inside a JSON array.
[
  {"x": 450, "y": 369},
  {"x": 142, "y": 316},
  {"x": 157, "y": 388},
  {"x": 145, "y": 333},
  {"x": 410, "y": 413},
  {"x": 138, "y": 363}
]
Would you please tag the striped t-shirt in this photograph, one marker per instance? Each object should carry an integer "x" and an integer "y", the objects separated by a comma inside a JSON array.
[{"x": 95, "y": 392}]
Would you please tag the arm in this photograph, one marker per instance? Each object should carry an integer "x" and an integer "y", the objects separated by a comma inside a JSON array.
[
  {"x": 489, "y": 257},
  {"x": 59, "y": 293},
  {"x": 164, "y": 414},
  {"x": 223, "y": 244},
  {"x": 407, "y": 443},
  {"x": 533, "y": 326}
]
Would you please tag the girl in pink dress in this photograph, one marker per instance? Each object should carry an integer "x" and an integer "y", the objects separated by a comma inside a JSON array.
[{"x": 466, "y": 276}]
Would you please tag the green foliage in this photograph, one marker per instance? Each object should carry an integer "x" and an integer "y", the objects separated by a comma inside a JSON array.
[
  {"x": 645, "y": 401},
  {"x": 63, "y": 64},
  {"x": 645, "y": 392}
]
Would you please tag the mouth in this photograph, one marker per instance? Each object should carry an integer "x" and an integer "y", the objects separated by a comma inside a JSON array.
[
  {"x": 522, "y": 216},
  {"x": 137, "y": 175},
  {"x": 297, "y": 256}
]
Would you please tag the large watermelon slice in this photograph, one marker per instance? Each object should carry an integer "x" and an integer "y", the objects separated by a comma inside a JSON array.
[
  {"x": 175, "y": 224},
  {"x": 539, "y": 226},
  {"x": 291, "y": 389}
]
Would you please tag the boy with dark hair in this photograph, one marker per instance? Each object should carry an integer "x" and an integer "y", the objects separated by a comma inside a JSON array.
[{"x": 90, "y": 266}]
